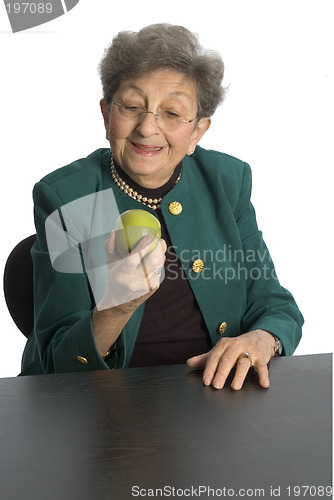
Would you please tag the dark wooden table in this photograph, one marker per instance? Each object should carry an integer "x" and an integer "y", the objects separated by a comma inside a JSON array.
[{"x": 124, "y": 434}]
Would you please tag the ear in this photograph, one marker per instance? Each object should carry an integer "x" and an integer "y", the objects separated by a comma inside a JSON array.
[
  {"x": 202, "y": 126},
  {"x": 105, "y": 110}
]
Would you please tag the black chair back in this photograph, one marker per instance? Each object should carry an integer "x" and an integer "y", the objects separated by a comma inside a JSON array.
[{"x": 18, "y": 285}]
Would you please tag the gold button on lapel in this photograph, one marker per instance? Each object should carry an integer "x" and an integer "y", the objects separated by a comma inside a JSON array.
[
  {"x": 82, "y": 360},
  {"x": 222, "y": 327},
  {"x": 175, "y": 208},
  {"x": 198, "y": 266}
]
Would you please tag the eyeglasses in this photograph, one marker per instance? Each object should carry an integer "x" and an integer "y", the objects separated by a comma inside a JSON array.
[{"x": 166, "y": 119}]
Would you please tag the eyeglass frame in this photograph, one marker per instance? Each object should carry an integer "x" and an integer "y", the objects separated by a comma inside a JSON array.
[{"x": 156, "y": 115}]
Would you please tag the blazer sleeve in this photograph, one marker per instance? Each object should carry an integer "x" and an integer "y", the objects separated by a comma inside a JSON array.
[
  {"x": 63, "y": 305},
  {"x": 269, "y": 306}
]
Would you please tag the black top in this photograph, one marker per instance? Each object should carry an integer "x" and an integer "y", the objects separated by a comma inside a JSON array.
[{"x": 172, "y": 329}]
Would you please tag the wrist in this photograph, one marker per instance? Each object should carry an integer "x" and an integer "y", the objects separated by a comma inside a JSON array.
[
  {"x": 107, "y": 325},
  {"x": 278, "y": 347}
]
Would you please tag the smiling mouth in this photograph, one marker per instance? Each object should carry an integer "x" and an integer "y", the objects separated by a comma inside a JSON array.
[{"x": 145, "y": 149}]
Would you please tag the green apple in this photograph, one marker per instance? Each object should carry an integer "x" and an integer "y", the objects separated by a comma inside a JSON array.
[{"x": 132, "y": 226}]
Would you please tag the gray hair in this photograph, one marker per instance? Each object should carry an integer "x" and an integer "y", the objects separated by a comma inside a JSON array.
[{"x": 164, "y": 46}]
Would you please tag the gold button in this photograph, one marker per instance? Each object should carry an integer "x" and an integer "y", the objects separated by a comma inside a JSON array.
[
  {"x": 82, "y": 360},
  {"x": 198, "y": 266},
  {"x": 106, "y": 354},
  {"x": 175, "y": 208},
  {"x": 222, "y": 327}
]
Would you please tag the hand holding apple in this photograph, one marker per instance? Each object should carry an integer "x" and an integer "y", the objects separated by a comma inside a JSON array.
[{"x": 133, "y": 278}]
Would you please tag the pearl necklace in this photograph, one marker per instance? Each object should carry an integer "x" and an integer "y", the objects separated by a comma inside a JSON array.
[{"x": 153, "y": 203}]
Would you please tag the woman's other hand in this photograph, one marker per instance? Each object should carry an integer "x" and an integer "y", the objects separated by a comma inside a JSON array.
[{"x": 230, "y": 352}]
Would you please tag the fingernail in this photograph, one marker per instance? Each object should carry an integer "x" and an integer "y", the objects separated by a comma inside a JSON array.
[
  {"x": 150, "y": 238},
  {"x": 206, "y": 380},
  {"x": 217, "y": 385}
]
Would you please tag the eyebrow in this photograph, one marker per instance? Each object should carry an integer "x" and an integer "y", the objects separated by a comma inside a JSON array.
[{"x": 177, "y": 93}]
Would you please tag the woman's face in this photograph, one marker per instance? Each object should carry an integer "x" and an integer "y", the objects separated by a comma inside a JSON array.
[{"x": 146, "y": 152}]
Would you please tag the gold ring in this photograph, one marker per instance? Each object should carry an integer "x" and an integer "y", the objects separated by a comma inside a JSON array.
[{"x": 247, "y": 356}]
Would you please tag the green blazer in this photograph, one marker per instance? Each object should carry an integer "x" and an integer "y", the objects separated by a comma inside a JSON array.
[{"x": 237, "y": 286}]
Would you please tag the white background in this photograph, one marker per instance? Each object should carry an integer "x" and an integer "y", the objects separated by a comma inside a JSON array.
[{"x": 278, "y": 116}]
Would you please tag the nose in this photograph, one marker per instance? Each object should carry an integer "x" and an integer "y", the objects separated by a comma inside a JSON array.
[{"x": 148, "y": 124}]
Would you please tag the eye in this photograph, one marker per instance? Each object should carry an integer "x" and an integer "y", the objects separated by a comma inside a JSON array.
[
  {"x": 171, "y": 114},
  {"x": 132, "y": 109}
]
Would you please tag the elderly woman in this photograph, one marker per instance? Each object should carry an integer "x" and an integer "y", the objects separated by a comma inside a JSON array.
[{"x": 207, "y": 294}]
